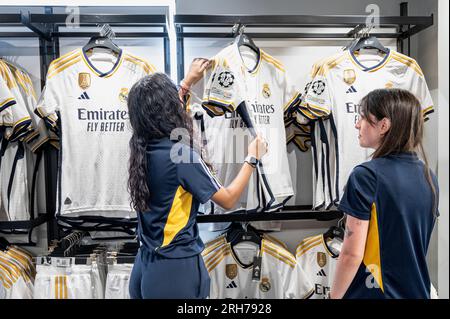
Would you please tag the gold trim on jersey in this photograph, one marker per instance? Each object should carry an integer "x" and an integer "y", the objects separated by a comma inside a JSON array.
[
  {"x": 7, "y": 280},
  {"x": 285, "y": 107},
  {"x": 226, "y": 104},
  {"x": 213, "y": 244},
  {"x": 214, "y": 109},
  {"x": 211, "y": 268},
  {"x": 148, "y": 68},
  {"x": 428, "y": 109},
  {"x": 13, "y": 268},
  {"x": 330, "y": 64},
  {"x": 215, "y": 254},
  {"x": 306, "y": 242},
  {"x": 57, "y": 64},
  {"x": 408, "y": 62},
  {"x": 323, "y": 111},
  {"x": 276, "y": 254},
  {"x": 271, "y": 60},
  {"x": 6, "y": 101},
  {"x": 63, "y": 67},
  {"x": 275, "y": 240},
  {"x": 24, "y": 119},
  {"x": 7, "y": 76},
  {"x": 23, "y": 259}
]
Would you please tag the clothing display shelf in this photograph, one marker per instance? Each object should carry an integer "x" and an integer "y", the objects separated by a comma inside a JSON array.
[
  {"x": 47, "y": 28},
  {"x": 405, "y": 26}
]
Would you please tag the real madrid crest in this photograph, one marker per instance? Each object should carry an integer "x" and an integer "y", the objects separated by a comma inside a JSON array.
[
  {"x": 231, "y": 271},
  {"x": 265, "y": 285},
  {"x": 349, "y": 76},
  {"x": 266, "y": 90},
  {"x": 123, "y": 95},
  {"x": 321, "y": 259},
  {"x": 84, "y": 80}
]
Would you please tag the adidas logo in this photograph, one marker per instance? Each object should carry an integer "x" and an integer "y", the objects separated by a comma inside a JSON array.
[
  {"x": 351, "y": 90},
  {"x": 232, "y": 285},
  {"x": 321, "y": 273},
  {"x": 84, "y": 96}
]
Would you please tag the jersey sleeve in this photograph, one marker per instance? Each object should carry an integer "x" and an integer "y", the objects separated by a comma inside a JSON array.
[
  {"x": 224, "y": 90},
  {"x": 318, "y": 98},
  {"x": 47, "y": 105},
  {"x": 195, "y": 177},
  {"x": 419, "y": 87},
  {"x": 6, "y": 97},
  {"x": 291, "y": 99},
  {"x": 359, "y": 193}
]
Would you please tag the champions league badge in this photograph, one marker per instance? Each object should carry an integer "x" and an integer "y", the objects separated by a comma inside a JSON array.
[
  {"x": 123, "y": 95},
  {"x": 265, "y": 285},
  {"x": 84, "y": 80},
  {"x": 266, "y": 91},
  {"x": 226, "y": 79},
  {"x": 349, "y": 76},
  {"x": 318, "y": 87}
]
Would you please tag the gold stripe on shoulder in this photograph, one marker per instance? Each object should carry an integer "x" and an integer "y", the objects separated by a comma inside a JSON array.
[
  {"x": 63, "y": 67},
  {"x": 275, "y": 240},
  {"x": 408, "y": 62},
  {"x": 304, "y": 251},
  {"x": 279, "y": 257},
  {"x": 281, "y": 251},
  {"x": 145, "y": 62},
  {"x": 279, "y": 67},
  {"x": 146, "y": 68},
  {"x": 331, "y": 63},
  {"x": 216, "y": 254},
  {"x": 305, "y": 242},
  {"x": 272, "y": 58},
  {"x": 211, "y": 267},
  {"x": 64, "y": 58}
]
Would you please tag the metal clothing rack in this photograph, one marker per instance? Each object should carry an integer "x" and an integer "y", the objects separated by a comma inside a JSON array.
[
  {"x": 405, "y": 26},
  {"x": 46, "y": 27}
]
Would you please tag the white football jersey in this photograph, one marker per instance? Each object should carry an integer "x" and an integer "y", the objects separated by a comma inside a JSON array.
[
  {"x": 255, "y": 98},
  {"x": 89, "y": 98},
  {"x": 16, "y": 274},
  {"x": 338, "y": 88},
  {"x": 319, "y": 263},
  {"x": 230, "y": 270},
  {"x": 15, "y": 117}
]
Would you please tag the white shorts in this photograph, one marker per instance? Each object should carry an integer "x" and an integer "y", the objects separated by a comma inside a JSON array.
[
  {"x": 74, "y": 282},
  {"x": 117, "y": 281}
]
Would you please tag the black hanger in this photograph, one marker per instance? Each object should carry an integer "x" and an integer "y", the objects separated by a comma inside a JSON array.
[
  {"x": 101, "y": 42},
  {"x": 370, "y": 42},
  {"x": 243, "y": 40},
  {"x": 4, "y": 244},
  {"x": 335, "y": 231},
  {"x": 238, "y": 233}
]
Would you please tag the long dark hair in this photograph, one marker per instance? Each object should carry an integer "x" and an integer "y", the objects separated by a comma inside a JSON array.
[
  {"x": 155, "y": 110},
  {"x": 403, "y": 109}
]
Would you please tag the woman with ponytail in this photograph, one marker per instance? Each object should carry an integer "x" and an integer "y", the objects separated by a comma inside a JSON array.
[
  {"x": 390, "y": 204},
  {"x": 167, "y": 182}
]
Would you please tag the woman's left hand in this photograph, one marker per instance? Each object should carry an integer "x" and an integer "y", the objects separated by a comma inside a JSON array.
[{"x": 195, "y": 73}]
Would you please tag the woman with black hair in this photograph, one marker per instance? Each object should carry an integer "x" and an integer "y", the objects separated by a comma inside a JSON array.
[
  {"x": 167, "y": 182},
  {"x": 391, "y": 204}
]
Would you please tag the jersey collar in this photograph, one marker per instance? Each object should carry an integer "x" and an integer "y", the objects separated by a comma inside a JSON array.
[
  {"x": 98, "y": 72},
  {"x": 374, "y": 68},
  {"x": 258, "y": 63},
  {"x": 327, "y": 249}
]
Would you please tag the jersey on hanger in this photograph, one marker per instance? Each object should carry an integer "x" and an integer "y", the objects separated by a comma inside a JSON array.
[
  {"x": 251, "y": 101},
  {"x": 281, "y": 277},
  {"x": 89, "y": 98},
  {"x": 343, "y": 81}
]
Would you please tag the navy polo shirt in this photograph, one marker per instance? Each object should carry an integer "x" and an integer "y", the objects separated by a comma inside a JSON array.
[
  {"x": 393, "y": 194},
  {"x": 178, "y": 182}
]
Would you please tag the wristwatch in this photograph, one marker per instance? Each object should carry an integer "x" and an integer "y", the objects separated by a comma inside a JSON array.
[{"x": 253, "y": 161}]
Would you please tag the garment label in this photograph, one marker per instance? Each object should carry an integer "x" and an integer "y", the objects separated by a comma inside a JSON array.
[
  {"x": 246, "y": 254},
  {"x": 256, "y": 273}
]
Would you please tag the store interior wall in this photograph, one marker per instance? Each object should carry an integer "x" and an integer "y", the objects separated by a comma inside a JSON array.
[{"x": 424, "y": 48}]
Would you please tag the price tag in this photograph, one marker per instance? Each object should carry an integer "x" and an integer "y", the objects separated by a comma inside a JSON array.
[{"x": 256, "y": 274}]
